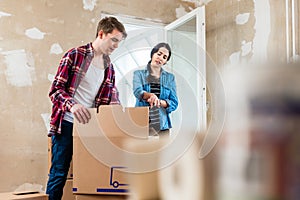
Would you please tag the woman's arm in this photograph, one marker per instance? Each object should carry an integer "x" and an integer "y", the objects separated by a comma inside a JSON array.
[
  {"x": 138, "y": 90},
  {"x": 172, "y": 100}
]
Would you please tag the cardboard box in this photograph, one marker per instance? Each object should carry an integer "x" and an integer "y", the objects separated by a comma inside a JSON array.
[
  {"x": 25, "y": 196},
  {"x": 68, "y": 190},
  {"x": 99, "y": 197},
  {"x": 70, "y": 173},
  {"x": 98, "y": 151}
]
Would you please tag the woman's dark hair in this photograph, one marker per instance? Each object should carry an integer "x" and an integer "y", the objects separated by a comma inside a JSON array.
[{"x": 158, "y": 46}]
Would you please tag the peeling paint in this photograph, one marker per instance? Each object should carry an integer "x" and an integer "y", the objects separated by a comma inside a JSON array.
[
  {"x": 4, "y": 14},
  {"x": 93, "y": 20},
  {"x": 180, "y": 11},
  {"x": 28, "y": 7},
  {"x": 46, "y": 119},
  {"x": 246, "y": 48},
  {"x": 198, "y": 2},
  {"x": 235, "y": 58},
  {"x": 56, "y": 49},
  {"x": 242, "y": 18},
  {"x": 205, "y": 1},
  {"x": 56, "y": 20},
  {"x": 89, "y": 4},
  {"x": 20, "y": 70},
  {"x": 51, "y": 77},
  {"x": 262, "y": 30},
  {"x": 34, "y": 33}
]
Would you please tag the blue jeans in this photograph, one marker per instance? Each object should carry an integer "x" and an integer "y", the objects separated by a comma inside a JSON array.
[{"x": 62, "y": 151}]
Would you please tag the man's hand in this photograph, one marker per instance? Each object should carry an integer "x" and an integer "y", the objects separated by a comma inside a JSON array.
[{"x": 81, "y": 113}]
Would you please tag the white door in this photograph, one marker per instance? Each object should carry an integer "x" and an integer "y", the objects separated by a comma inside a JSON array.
[{"x": 186, "y": 37}]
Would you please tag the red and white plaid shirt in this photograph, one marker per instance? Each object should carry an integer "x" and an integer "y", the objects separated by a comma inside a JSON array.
[{"x": 72, "y": 68}]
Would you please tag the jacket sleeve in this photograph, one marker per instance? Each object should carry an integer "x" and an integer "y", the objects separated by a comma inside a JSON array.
[
  {"x": 138, "y": 90},
  {"x": 173, "y": 99},
  {"x": 58, "y": 93}
]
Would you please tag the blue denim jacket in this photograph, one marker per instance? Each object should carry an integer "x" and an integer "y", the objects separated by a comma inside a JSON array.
[{"x": 167, "y": 93}]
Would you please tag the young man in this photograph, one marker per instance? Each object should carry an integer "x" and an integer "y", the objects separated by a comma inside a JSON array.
[{"x": 85, "y": 78}]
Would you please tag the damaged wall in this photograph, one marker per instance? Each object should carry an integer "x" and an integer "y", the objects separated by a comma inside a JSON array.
[
  {"x": 33, "y": 37},
  {"x": 243, "y": 31}
]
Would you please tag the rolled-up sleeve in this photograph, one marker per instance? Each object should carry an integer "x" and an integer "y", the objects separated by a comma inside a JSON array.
[
  {"x": 58, "y": 93},
  {"x": 172, "y": 100},
  {"x": 138, "y": 85}
]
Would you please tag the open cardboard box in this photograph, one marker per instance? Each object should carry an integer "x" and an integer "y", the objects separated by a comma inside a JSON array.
[{"x": 98, "y": 153}]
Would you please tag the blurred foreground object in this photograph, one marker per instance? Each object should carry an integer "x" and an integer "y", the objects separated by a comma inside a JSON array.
[
  {"x": 186, "y": 178},
  {"x": 259, "y": 154}
]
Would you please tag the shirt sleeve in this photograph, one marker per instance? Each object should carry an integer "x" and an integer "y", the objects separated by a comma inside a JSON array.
[
  {"x": 59, "y": 95},
  {"x": 138, "y": 90},
  {"x": 173, "y": 99}
]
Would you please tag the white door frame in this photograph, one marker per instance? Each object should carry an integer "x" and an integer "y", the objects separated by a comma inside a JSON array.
[{"x": 199, "y": 13}]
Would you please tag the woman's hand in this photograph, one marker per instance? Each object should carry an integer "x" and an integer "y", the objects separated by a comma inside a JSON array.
[
  {"x": 153, "y": 100},
  {"x": 163, "y": 103}
]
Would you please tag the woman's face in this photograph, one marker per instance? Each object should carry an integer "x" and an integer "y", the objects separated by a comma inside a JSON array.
[{"x": 160, "y": 57}]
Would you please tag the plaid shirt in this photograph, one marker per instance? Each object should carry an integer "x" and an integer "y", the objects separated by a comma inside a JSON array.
[{"x": 72, "y": 68}]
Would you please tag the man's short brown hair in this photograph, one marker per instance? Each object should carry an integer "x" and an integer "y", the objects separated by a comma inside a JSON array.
[{"x": 108, "y": 24}]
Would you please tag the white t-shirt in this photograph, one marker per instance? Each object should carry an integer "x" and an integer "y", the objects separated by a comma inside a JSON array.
[{"x": 87, "y": 89}]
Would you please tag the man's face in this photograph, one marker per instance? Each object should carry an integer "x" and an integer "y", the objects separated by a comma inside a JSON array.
[{"x": 110, "y": 41}]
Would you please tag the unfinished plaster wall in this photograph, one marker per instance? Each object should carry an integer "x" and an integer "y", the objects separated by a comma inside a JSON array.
[
  {"x": 243, "y": 31},
  {"x": 240, "y": 31},
  {"x": 33, "y": 36}
]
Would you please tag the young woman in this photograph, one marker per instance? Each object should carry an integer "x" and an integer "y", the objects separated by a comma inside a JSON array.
[{"x": 156, "y": 88}]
